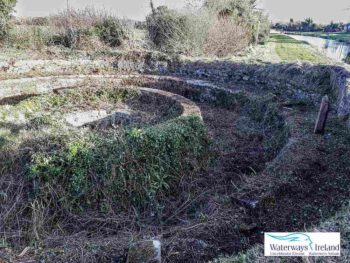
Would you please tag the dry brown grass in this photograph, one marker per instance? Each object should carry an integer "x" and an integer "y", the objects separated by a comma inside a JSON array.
[
  {"x": 31, "y": 21},
  {"x": 87, "y": 29}
]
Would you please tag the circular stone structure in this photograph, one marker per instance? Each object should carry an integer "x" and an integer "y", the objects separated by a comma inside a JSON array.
[
  {"x": 90, "y": 101},
  {"x": 161, "y": 104},
  {"x": 71, "y": 99},
  {"x": 249, "y": 127}
]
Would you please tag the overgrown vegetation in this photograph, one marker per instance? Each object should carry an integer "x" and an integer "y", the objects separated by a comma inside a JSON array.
[
  {"x": 169, "y": 29},
  {"x": 218, "y": 28},
  {"x": 79, "y": 171},
  {"x": 111, "y": 31},
  {"x": 78, "y": 27},
  {"x": 6, "y": 8},
  {"x": 134, "y": 168},
  {"x": 86, "y": 29},
  {"x": 205, "y": 185}
]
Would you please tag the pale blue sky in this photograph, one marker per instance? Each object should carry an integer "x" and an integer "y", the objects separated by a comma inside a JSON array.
[
  {"x": 322, "y": 11},
  {"x": 280, "y": 10}
]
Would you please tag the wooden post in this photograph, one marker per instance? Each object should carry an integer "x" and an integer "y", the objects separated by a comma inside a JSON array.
[{"x": 322, "y": 116}]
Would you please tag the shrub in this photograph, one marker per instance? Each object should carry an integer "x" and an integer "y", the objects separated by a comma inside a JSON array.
[
  {"x": 168, "y": 29},
  {"x": 39, "y": 21},
  {"x": 67, "y": 37},
  {"x": 245, "y": 12},
  {"x": 226, "y": 37},
  {"x": 219, "y": 28},
  {"x": 71, "y": 26},
  {"x": 6, "y": 7},
  {"x": 77, "y": 27},
  {"x": 111, "y": 31},
  {"x": 73, "y": 38},
  {"x": 260, "y": 28},
  {"x": 134, "y": 168},
  {"x": 235, "y": 8},
  {"x": 347, "y": 59},
  {"x": 29, "y": 36},
  {"x": 3, "y": 28}
]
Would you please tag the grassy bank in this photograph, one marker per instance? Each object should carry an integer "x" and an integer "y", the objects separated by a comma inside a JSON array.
[{"x": 291, "y": 50}]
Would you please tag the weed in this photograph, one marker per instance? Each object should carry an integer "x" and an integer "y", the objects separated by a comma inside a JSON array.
[
  {"x": 261, "y": 119},
  {"x": 168, "y": 29},
  {"x": 219, "y": 28},
  {"x": 6, "y": 8},
  {"x": 133, "y": 168},
  {"x": 111, "y": 31}
]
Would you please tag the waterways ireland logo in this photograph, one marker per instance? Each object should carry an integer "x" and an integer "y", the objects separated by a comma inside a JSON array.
[
  {"x": 302, "y": 244},
  {"x": 295, "y": 237}
]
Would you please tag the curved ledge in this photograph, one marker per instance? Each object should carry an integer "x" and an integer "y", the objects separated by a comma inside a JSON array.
[
  {"x": 18, "y": 88},
  {"x": 189, "y": 108}
]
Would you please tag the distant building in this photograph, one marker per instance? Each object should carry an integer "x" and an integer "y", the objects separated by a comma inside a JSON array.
[{"x": 347, "y": 27}]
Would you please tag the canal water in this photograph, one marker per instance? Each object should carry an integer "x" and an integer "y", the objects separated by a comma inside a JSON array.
[{"x": 333, "y": 49}]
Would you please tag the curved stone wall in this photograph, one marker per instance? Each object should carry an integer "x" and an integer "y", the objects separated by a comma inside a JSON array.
[
  {"x": 17, "y": 88},
  {"x": 296, "y": 80}
]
